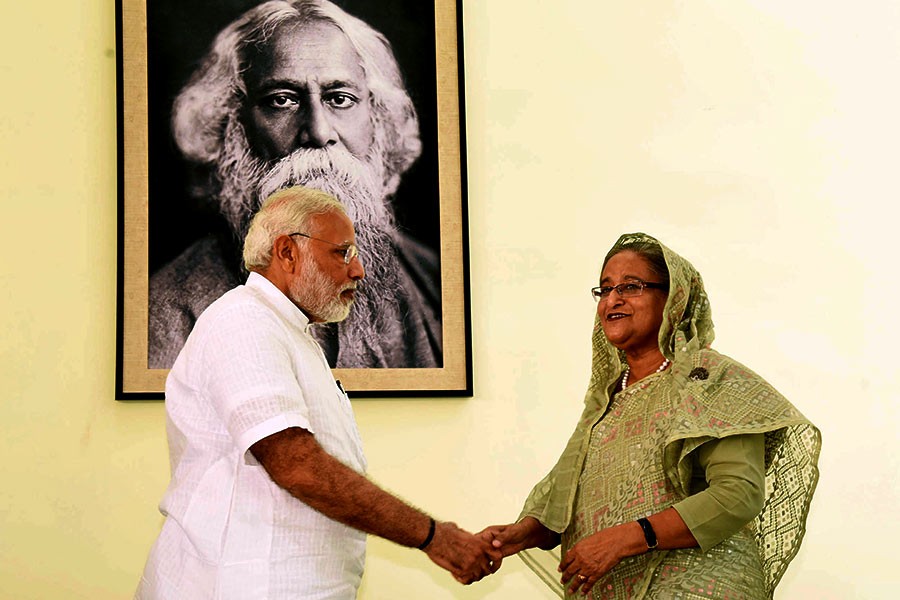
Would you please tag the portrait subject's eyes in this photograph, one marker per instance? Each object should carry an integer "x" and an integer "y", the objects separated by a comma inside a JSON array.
[
  {"x": 605, "y": 291},
  {"x": 630, "y": 288},
  {"x": 340, "y": 100},
  {"x": 280, "y": 101}
]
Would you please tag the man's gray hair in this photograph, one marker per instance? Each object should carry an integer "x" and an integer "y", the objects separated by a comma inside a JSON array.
[
  {"x": 284, "y": 212},
  {"x": 216, "y": 91}
]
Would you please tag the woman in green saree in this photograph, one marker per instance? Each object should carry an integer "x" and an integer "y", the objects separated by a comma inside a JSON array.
[{"x": 687, "y": 476}]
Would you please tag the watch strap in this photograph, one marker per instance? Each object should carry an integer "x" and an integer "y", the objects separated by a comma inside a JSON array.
[{"x": 649, "y": 534}]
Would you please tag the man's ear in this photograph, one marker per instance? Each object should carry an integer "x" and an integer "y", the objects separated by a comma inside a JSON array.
[{"x": 285, "y": 254}]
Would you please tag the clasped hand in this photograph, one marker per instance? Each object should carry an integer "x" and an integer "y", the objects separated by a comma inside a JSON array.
[
  {"x": 472, "y": 557},
  {"x": 582, "y": 566},
  {"x": 468, "y": 557},
  {"x": 515, "y": 537}
]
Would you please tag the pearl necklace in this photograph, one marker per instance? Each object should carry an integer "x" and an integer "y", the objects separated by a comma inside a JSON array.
[{"x": 661, "y": 368}]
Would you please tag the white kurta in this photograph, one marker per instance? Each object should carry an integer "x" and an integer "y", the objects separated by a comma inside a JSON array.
[{"x": 250, "y": 369}]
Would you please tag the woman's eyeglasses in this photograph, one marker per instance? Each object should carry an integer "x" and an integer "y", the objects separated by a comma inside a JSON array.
[{"x": 628, "y": 289}]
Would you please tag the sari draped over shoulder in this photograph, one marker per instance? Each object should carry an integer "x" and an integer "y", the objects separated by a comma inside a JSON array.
[{"x": 703, "y": 396}]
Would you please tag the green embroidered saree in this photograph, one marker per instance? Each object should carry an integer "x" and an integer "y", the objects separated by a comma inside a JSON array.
[{"x": 702, "y": 397}]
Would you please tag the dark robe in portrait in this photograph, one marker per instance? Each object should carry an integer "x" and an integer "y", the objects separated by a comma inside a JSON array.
[{"x": 183, "y": 288}]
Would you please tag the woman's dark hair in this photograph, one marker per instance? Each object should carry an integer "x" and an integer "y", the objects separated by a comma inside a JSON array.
[{"x": 650, "y": 252}]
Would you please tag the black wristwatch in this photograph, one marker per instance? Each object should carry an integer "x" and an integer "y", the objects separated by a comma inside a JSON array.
[{"x": 649, "y": 534}]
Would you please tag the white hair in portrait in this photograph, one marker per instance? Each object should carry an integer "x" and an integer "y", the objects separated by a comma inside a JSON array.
[
  {"x": 207, "y": 128},
  {"x": 213, "y": 97}
]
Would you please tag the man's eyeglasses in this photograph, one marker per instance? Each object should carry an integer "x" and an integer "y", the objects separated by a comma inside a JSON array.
[
  {"x": 629, "y": 289},
  {"x": 350, "y": 250}
]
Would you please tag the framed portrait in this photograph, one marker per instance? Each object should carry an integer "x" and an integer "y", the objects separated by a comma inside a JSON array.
[{"x": 222, "y": 102}]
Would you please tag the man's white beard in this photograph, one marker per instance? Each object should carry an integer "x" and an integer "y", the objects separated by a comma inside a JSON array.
[
  {"x": 358, "y": 184},
  {"x": 317, "y": 294}
]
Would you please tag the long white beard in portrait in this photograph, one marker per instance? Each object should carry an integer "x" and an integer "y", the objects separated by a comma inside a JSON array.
[{"x": 246, "y": 181}]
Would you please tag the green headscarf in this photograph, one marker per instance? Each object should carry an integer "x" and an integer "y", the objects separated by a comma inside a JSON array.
[{"x": 710, "y": 396}]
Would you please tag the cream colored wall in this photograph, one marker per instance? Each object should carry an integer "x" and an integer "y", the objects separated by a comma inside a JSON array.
[{"x": 758, "y": 138}]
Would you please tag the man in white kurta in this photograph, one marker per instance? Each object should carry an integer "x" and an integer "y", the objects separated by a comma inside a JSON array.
[
  {"x": 268, "y": 498},
  {"x": 251, "y": 369}
]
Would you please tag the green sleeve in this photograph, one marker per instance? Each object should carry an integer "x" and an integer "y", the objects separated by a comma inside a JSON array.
[{"x": 734, "y": 483}]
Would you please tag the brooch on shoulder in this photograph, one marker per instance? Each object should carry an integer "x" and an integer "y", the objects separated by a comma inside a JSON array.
[{"x": 699, "y": 374}]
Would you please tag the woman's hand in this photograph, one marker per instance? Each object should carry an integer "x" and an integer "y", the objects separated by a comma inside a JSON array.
[
  {"x": 515, "y": 537},
  {"x": 593, "y": 557},
  {"x": 509, "y": 539}
]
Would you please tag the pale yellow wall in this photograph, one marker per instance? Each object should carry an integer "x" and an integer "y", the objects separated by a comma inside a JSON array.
[{"x": 758, "y": 138}]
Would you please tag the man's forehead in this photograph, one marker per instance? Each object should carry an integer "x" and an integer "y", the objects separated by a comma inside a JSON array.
[
  {"x": 299, "y": 52},
  {"x": 334, "y": 223}
]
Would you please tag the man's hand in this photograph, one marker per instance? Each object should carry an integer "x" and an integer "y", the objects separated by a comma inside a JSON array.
[{"x": 467, "y": 557}]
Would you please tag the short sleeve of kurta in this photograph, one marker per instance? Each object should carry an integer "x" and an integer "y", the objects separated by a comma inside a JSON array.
[
  {"x": 734, "y": 469},
  {"x": 250, "y": 375}
]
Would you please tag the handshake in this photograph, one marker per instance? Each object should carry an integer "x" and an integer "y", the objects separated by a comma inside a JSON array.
[{"x": 471, "y": 557}]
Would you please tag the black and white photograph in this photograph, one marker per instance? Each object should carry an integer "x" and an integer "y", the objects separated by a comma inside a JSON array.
[{"x": 242, "y": 99}]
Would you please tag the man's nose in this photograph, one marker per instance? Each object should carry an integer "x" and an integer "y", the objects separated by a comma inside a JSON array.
[
  {"x": 356, "y": 271},
  {"x": 316, "y": 130}
]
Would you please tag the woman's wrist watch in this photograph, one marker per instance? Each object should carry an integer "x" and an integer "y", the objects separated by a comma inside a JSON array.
[{"x": 649, "y": 534}]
